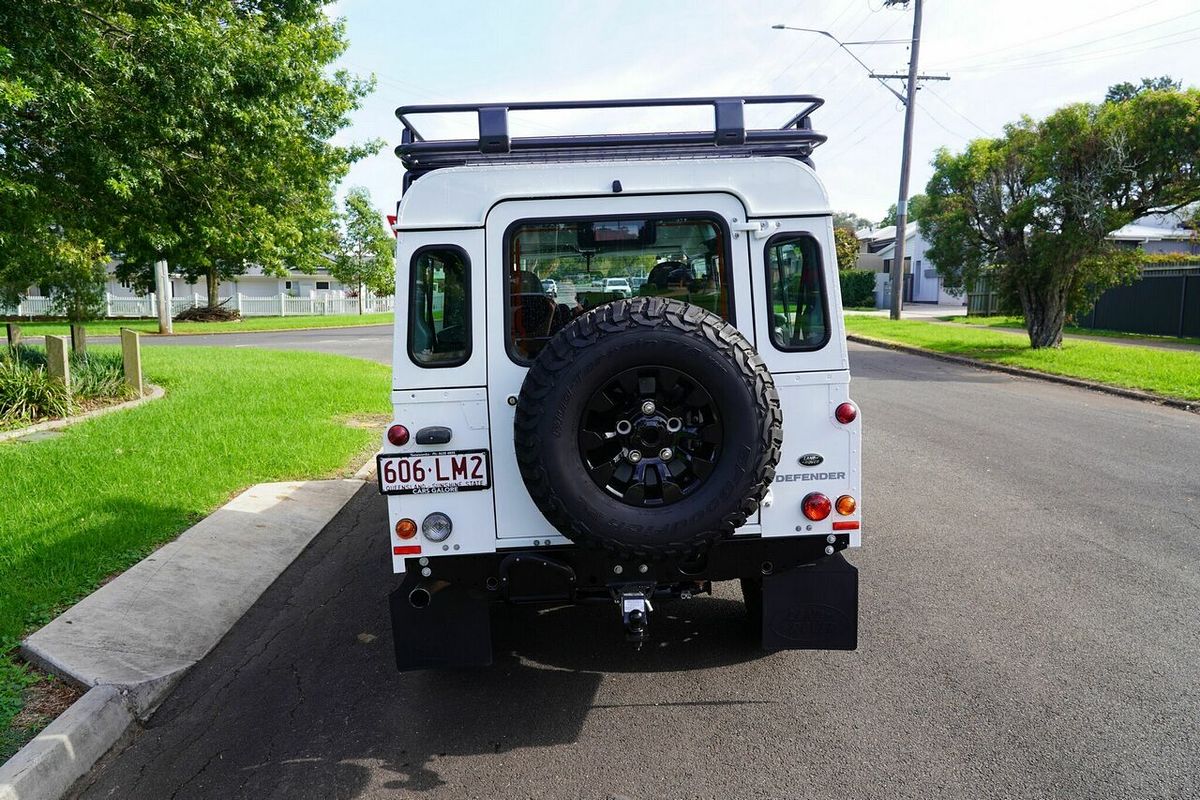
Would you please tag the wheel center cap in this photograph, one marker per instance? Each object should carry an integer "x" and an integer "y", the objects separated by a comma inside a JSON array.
[{"x": 650, "y": 432}]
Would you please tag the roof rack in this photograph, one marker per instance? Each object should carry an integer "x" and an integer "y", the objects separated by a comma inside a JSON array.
[{"x": 729, "y": 137}]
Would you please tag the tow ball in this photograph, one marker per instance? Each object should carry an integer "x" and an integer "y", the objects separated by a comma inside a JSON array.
[{"x": 634, "y": 599}]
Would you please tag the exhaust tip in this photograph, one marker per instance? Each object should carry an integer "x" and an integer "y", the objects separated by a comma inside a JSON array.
[{"x": 419, "y": 598}]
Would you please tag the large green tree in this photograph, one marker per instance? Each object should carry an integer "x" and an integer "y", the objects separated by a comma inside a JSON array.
[
  {"x": 363, "y": 257},
  {"x": 1032, "y": 208},
  {"x": 846, "y": 244},
  {"x": 197, "y": 132}
]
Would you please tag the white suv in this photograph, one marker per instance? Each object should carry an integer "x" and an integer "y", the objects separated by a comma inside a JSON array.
[{"x": 627, "y": 450}]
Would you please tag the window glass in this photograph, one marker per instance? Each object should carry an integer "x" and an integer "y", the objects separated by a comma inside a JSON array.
[
  {"x": 322, "y": 285},
  {"x": 796, "y": 293},
  {"x": 593, "y": 262},
  {"x": 439, "y": 331}
]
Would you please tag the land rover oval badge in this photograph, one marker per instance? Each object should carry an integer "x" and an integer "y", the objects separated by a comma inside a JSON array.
[{"x": 811, "y": 459}]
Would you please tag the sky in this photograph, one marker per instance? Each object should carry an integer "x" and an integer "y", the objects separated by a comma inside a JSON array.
[{"x": 1004, "y": 59}]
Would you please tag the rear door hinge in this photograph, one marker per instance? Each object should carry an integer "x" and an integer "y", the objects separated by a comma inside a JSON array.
[{"x": 761, "y": 228}]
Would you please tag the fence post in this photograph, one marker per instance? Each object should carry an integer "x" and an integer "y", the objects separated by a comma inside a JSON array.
[
  {"x": 282, "y": 304},
  {"x": 237, "y": 301},
  {"x": 14, "y": 334},
  {"x": 108, "y": 304},
  {"x": 58, "y": 359},
  {"x": 78, "y": 339},
  {"x": 131, "y": 359}
]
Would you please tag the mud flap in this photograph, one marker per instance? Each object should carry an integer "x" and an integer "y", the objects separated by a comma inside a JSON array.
[
  {"x": 811, "y": 607},
  {"x": 438, "y": 625}
]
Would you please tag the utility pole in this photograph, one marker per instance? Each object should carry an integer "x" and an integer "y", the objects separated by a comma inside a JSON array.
[{"x": 910, "y": 110}]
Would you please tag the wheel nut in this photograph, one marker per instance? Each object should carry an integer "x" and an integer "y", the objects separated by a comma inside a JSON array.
[
  {"x": 674, "y": 424},
  {"x": 635, "y": 456},
  {"x": 666, "y": 454},
  {"x": 643, "y": 568},
  {"x": 623, "y": 427},
  {"x": 648, "y": 407},
  {"x": 618, "y": 569}
]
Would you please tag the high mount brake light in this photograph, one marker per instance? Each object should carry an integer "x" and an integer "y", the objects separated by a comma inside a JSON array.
[
  {"x": 846, "y": 413},
  {"x": 816, "y": 506},
  {"x": 398, "y": 435}
]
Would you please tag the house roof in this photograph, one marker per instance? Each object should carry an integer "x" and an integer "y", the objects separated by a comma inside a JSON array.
[{"x": 1137, "y": 232}]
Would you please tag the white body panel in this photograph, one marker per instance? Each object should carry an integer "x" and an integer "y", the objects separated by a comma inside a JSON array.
[{"x": 471, "y": 208}]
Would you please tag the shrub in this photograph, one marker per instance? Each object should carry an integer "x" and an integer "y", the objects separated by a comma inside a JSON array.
[
  {"x": 858, "y": 287},
  {"x": 28, "y": 393},
  {"x": 99, "y": 375}
]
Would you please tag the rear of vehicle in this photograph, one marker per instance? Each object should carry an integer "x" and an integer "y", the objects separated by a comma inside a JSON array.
[{"x": 602, "y": 444}]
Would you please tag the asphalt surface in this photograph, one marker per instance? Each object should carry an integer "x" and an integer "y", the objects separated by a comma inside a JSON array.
[
  {"x": 368, "y": 341},
  {"x": 1028, "y": 630}
]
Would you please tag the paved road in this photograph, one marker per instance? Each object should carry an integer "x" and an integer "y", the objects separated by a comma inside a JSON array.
[
  {"x": 1029, "y": 629},
  {"x": 368, "y": 341}
]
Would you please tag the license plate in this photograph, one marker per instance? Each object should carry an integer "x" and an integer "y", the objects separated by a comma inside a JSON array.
[{"x": 431, "y": 473}]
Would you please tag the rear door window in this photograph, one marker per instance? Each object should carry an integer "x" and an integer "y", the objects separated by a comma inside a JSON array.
[
  {"x": 597, "y": 261},
  {"x": 439, "y": 307},
  {"x": 796, "y": 301}
]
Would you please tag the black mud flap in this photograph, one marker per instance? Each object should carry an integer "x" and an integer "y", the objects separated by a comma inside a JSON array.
[
  {"x": 812, "y": 607},
  {"x": 439, "y": 625}
]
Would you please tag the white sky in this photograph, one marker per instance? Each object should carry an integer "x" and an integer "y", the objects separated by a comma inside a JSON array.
[{"x": 1005, "y": 59}]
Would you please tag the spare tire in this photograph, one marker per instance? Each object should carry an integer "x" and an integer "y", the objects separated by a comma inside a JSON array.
[{"x": 648, "y": 427}]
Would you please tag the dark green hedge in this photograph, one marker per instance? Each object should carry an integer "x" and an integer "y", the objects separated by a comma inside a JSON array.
[{"x": 858, "y": 287}]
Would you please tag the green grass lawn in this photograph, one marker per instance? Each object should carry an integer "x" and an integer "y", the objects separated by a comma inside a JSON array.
[
  {"x": 112, "y": 327},
  {"x": 1019, "y": 322},
  {"x": 1171, "y": 373},
  {"x": 94, "y": 501}
]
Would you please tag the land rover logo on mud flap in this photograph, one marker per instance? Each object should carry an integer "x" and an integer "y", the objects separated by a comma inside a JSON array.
[{"x": 811, "y": 459}]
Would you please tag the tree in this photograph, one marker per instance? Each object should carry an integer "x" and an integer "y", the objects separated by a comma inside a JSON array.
[
  {"x": 1120, "y": 92},
  {"x": 850, "y": 221},
  {"x": 364, "y": 250},
  {"x": 196, "y": 132},
  {"x": 916, "y": 207},
  {"x": 846, "y": 244},
  {"x": 1033, "y": 208}
]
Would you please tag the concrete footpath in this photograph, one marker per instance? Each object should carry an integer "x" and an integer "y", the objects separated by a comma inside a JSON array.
[{"x": 134, "y": 638}]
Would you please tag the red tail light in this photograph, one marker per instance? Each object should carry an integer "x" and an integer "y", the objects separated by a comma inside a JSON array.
[
  {"x": 846, "y": 413},
  {"x": 398, "y": 435},
  {"x": 816, "y": 506}
]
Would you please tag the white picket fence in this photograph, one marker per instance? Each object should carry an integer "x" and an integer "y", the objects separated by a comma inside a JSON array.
[{"x": 282, "y": 305}]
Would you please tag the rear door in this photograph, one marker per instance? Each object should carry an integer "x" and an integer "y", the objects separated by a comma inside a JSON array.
[{"x": 687, "y": 244}]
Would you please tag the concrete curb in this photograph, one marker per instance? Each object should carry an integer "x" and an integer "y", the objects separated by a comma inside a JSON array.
[
  {"x": 133, "y": 639},
  {"x": 63, "y": 753},
  {"x": 1132, "y": 394},
  {"x": 155, "y": 393}
]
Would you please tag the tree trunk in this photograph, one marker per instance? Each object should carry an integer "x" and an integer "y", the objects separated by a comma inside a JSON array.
[
  {"x": 361, "y": 288},
  {"x": 1044, "y": 319},
  {"x": 214, "y": 286}
]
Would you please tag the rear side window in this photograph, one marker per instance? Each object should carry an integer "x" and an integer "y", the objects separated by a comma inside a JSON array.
[
  {"x": 796, "y": 293},
  {"x": 593, "y": 261},
  {"x": 439, "y": 318}
]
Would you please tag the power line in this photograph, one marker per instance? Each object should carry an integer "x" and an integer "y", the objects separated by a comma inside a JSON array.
[
  {"x": 941, "y": 100},
  {"x": 1130, "y": 48},
  {"x": 1018, "y": 59},
  {"x": 1071, "y": 29}
]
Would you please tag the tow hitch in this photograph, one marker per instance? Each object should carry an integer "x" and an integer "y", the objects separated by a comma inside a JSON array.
[{"x": 634, "y": 599}]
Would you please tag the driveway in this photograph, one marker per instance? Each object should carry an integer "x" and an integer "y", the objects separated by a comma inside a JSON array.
[{"x": 1029, "y": 629}]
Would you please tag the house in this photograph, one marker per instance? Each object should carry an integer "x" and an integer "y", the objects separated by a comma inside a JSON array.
[
  {"x": 1156, "y": 238},
  {"x": 922, "y": 283}
]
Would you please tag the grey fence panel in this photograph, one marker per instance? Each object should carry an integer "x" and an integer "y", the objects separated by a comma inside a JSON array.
[{"x": 1161, "y": 305}]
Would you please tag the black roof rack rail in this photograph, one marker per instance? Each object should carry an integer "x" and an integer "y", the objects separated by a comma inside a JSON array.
[{"x": 729, "y": 137}]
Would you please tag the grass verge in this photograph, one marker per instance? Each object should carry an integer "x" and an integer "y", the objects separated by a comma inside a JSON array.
[
  {"x": 112, "y": 327},
  {"x": 1019, "y": 322},
  {"x": 1171, "y": 373},
  {"x": 97, "y": 499}
]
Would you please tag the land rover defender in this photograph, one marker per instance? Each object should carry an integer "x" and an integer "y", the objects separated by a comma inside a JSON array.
[{"x": 675, "y": 412}]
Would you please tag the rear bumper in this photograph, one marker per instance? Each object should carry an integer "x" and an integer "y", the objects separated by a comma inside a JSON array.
[{"x": 571, "y": 573}]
